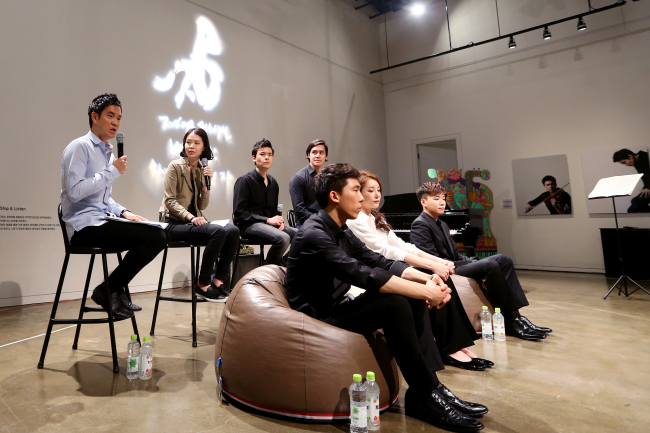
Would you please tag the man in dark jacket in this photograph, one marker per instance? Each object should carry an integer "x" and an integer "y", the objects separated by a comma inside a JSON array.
[
  {"x": 326, "y": 258},
  {"x": 640, "y": 203},
  {"x": 255, "y": 205},
  {"x": 431, "y": 234}
]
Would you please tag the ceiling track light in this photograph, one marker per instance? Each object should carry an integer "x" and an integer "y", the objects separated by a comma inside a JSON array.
[
  {"x": 511, "y": 43},
  {"x": 581, "y": 24},
  {"x": 510, "y": 36}
]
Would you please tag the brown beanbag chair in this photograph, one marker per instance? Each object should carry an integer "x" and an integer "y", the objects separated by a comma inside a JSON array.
[
  {"x": 473, "y": 298},
  {"x": 282, "y": 362}
]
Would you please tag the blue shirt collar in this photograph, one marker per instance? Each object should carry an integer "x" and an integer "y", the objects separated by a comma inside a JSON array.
[{"x": 96, "y": 141}]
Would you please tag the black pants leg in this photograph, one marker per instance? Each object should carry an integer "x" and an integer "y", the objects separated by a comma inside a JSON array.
[
  {"x": 501, "y": 281},
  {"x": 220, "y": 242},
  {"x": 451, "y": 327},
  {"x": 406, "y": 325},
  {"x": 143, "y": 243}
]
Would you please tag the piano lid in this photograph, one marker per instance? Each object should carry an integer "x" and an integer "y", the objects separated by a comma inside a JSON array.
[{"x": 401, "y": 203}]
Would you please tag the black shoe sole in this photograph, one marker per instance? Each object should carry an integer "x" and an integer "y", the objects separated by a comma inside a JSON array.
[
  {"x": 521, "y": 337},
  {"x": 436, "y": 423},
  {"x": 470, "y": 366}
]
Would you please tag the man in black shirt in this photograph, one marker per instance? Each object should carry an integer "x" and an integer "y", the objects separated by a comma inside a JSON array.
[
  {"x": 640, "y": 203},
  {"x": 255, "y": 205},
  {"x": 430, "y": 234},
  {"x": 301, "y": 186},
  {"x": 326, "y": 258},
  {"x": 557, "y": 200}
]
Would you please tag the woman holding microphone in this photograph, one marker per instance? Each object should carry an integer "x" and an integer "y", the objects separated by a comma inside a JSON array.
[{"x": 186, "y": 195}]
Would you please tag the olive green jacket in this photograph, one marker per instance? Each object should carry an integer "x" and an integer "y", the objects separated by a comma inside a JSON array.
[{"x": 179, "y": 190}]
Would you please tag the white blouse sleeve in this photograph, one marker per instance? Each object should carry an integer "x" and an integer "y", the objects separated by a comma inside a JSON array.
[
  {"x": 375, "y": 241},
  {"x": 397, "y": 242}
]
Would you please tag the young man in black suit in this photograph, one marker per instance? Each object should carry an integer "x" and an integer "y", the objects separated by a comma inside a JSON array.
[
  {"x": 431, "y": 234},
  {"x": 255, "y": 205},
  {"x": 326, "y": 258}
]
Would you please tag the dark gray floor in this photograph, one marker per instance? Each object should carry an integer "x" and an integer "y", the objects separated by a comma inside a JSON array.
[{"x": 590, "y": 375}]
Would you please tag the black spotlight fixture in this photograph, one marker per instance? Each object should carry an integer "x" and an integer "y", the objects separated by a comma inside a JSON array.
[
  {"x": 512, "y": 44},
  {"x": 547, "y": 34},
  {"x": 581, "y": 24}
]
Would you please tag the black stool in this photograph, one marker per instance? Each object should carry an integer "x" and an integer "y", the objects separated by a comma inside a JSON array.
[
  {"x": 69, "y": 249},
  {"x": 291, "y": 218},
  {"x": 195, "y": 278},
  {"x": 246, "y": 241}
]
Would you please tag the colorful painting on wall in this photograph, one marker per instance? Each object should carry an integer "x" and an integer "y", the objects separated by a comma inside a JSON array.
[{"x": 464, "y": 193}]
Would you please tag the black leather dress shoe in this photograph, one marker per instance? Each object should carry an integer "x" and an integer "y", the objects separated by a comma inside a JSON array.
[
  {"x": 113, "y": 303},
  {"x": 466, "y": 407},
  {"x": 124, "y": 300},
  {"x": 517, "y": 328},
  {"x": 535, "y": 327},
  {"x": 485, "y": 362},
  {"x": 469, "y": 365},
  {"x": 435, "y": 410}
]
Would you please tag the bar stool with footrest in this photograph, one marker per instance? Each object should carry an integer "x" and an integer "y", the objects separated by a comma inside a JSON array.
[
  {"x": 194, "y": 269},
  {"x": 69, "y": 250}
]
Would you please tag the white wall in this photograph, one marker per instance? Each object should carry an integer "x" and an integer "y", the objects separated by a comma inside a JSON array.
[
  {"x": 294, "y": 71},
  {"x": 576, "y": 92}
]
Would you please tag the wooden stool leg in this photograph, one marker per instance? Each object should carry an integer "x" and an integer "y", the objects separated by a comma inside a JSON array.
[
  {"x": 160, "y": 281},
  {"x": 83, "y": 301},
  {"x": 54, "y": 307}
]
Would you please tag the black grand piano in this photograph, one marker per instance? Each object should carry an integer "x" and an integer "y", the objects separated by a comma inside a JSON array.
[{"x": 465, "y": 225}]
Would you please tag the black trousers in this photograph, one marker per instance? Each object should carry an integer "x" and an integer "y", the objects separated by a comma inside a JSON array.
[
  {"x": 501, "y": 281},
  {"x": 143, "y": 242},
  {"x": 220, "y": 242},
  {"x": 451, "y": 327},
  {"x": 406, "y": 325}
]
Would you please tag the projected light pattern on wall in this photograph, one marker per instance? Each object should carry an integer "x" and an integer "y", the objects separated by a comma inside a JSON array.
[
  {"x": 201, "y": 82},
  {"x": 220, "y": 132},
  {"x": 194, "y": 85}
]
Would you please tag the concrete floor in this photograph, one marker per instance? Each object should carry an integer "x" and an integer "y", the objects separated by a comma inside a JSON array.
[{"x": 590, "y": 375}]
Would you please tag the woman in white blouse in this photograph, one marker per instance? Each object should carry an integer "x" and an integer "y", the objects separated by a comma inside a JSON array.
[{"x": 452, "y": 328}]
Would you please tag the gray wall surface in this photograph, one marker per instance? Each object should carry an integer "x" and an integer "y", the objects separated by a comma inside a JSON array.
[
  {"x": 292, "y": 72},
  {"x": 573, "y": 93}
]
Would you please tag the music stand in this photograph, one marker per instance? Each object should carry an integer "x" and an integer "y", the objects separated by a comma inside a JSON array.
[{"x": 612, "y": 187}]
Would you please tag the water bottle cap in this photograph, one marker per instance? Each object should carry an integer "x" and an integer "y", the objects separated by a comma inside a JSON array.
[
  {"x": 134, "y": 337},
  {"x": 356, "y": 377},
  {"x": 370, "y": 375},
  {"x": 146, "y": 339},
  {"x": 484, "y": 307},
  {"x": 497, "y": 310}
]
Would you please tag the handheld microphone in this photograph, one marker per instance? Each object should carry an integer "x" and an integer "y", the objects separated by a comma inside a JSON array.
[
  {"x": 204, "y": 163},
  {"x": 120, "y": 144}
]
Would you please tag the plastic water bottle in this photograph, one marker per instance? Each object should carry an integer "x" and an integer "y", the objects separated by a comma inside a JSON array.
[
  {"x": 358, "y": 411},
  {"x": 372, "y": 401},
  {"x": 146, "y": 359},
  {"x": 499, "y": 325},
  {"x": 133, "y": 358},
  {"x": 486, "y": 324}
]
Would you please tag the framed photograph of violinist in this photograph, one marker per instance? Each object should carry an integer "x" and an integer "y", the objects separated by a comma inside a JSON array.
[
  {"x": 542, "y": 186},
  {"x": 617, "y": 161}
]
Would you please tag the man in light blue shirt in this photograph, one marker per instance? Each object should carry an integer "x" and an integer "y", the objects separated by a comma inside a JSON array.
[{"x": 88, "y": 170}]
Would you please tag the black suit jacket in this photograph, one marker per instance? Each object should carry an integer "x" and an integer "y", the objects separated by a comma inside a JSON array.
[{"x": 437, "y": 241}]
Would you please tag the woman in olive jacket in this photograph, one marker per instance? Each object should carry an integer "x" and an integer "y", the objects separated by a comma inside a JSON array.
[{"x": 185, "y": 197}]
